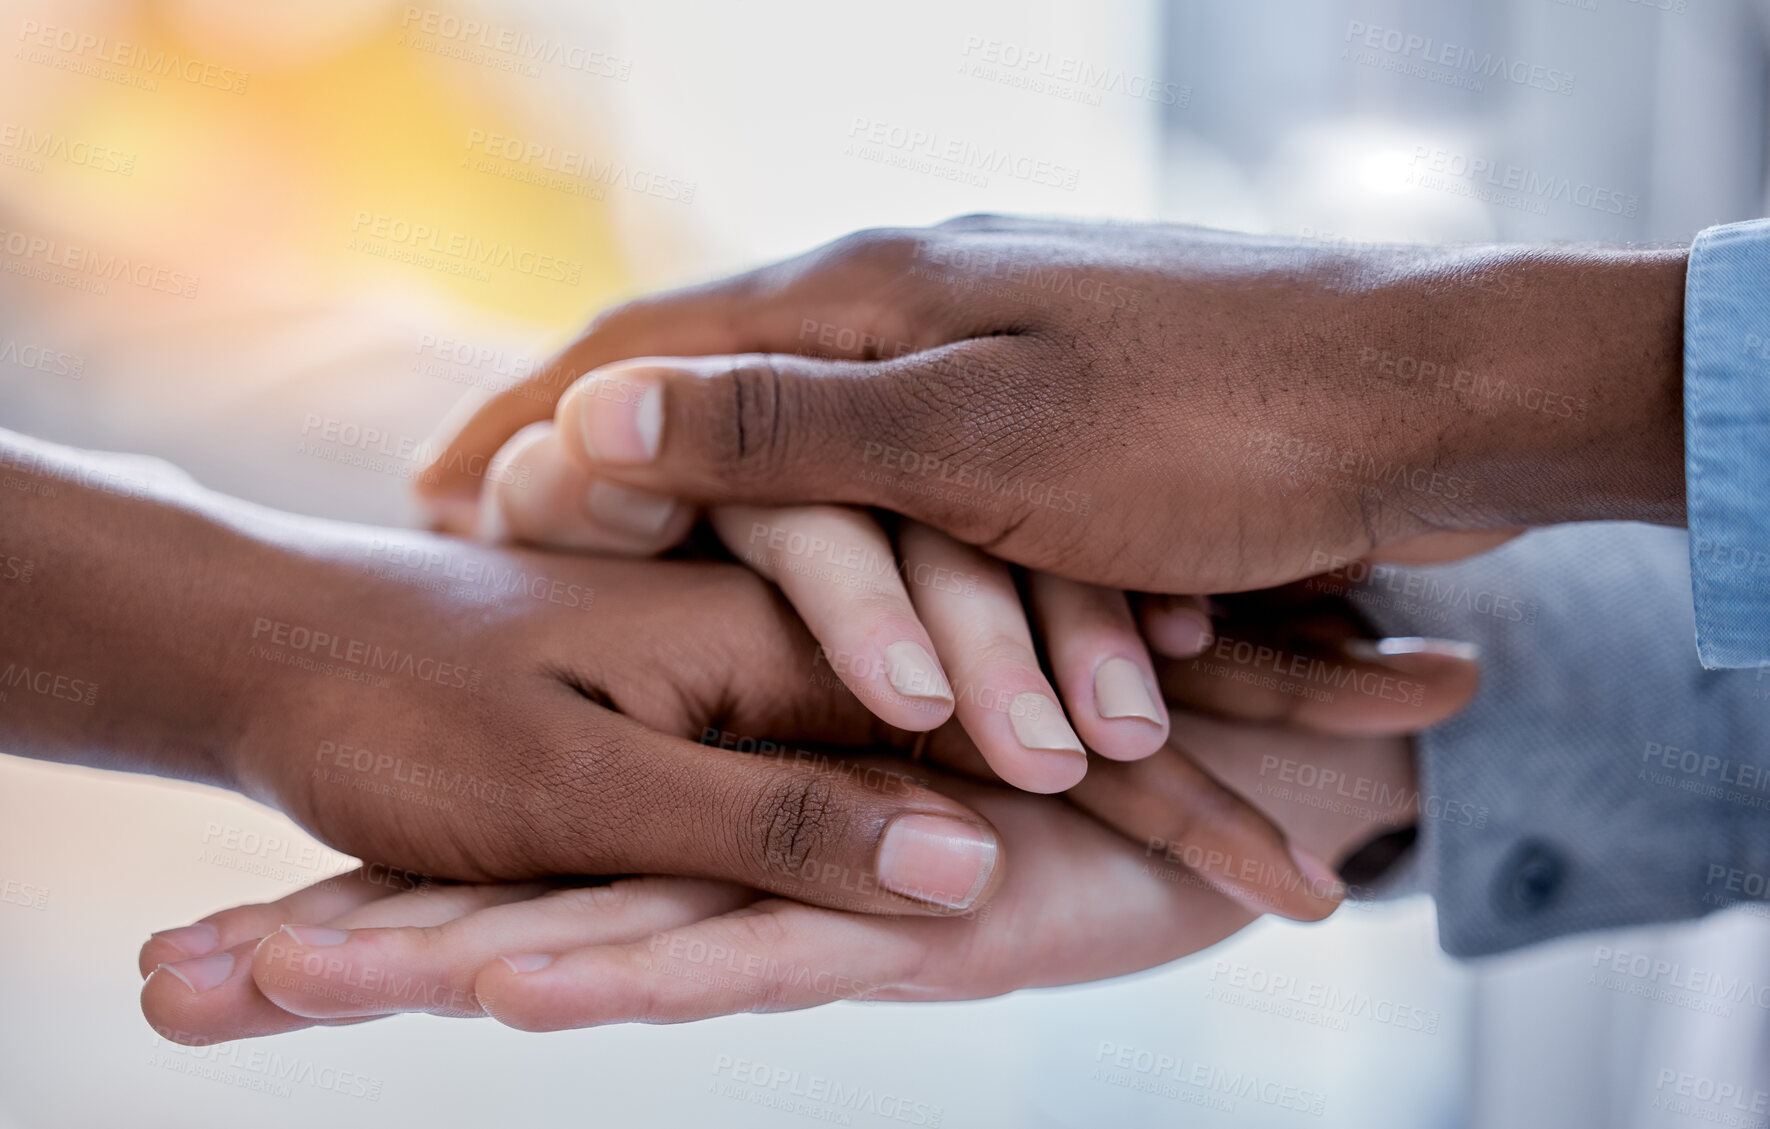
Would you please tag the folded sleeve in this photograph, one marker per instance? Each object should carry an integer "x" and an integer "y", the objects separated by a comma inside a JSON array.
[
  {"x": 1601, "y": 777},
  {"x": 1727, "y": 441}
]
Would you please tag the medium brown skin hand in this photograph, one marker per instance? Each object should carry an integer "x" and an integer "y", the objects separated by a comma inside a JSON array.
[
  {"x": 450, "y": 709},
  {"x": 1153, "y": 407}
]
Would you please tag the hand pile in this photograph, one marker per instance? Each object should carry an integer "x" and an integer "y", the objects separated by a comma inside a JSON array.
[{"x": 959, "y": 758}]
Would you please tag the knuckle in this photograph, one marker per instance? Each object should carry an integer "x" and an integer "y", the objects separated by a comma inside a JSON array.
[
  {"x": 571, "y": 801},
  {"x": 878, "y": 246},
  {"x": 995, "y": 648},
  {"x": 622, "y": 318},
  {"x": 1181, "y": 825},
  {"x": 746, "y": 433},
  {"x": 613, "y": 899},
  {"x": 794, "y": 820},
  {"x": 1209, "y": 815}
]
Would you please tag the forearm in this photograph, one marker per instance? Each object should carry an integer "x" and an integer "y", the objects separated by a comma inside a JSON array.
[
  {"x": 113, "y": 576},
  {"x": 1555, "y": 387}
]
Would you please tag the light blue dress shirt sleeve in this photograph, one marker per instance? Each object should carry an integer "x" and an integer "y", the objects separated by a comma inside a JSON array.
[{"x": 1727, "y": 441}]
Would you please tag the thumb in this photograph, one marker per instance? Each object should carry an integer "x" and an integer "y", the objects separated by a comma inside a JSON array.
[
  {"x": 850, "y": 832},
  {"x": 780, "y": 429}
]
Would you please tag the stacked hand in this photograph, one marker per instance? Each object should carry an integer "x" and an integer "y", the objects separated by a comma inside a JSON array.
[
  {"x": 1153, "y": 409},
  {"x": 1120, "y": 874}
]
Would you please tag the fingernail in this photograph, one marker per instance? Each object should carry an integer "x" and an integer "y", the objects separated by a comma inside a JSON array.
[
  {"x": 1119, "y": 691},
  {"x": 1323, "y": 882},
  {"x": 621, "y": 417},
  {"x": 202, "y": 973},
  {"x": 316, "y": 936},
  {"x": 1401, "y": 652},
  {"x": 1039, "y": 724},
  {"x": 528, "y": 962},
  {"x": 191, "y": 940},
  {"x": 1182, "y": 632},
  {"x": 936, "y": 859},
  {"x": 914, "y": 673},
  {"x": 629, "y": 511}
]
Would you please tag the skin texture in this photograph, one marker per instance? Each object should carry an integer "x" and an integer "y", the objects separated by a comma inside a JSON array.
[
  {"x": 1083, "y": 903},
  {"x": 1078, "y": 903},
  {"x": 1150, "y": 407},
  {"x": 569, "y": 719},
  {"x": 400, "y": 697},
  {"x": 438, "y": 707}
]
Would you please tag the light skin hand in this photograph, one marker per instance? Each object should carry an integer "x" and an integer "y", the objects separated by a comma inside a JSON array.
[
  {"x": 1083, "y": 903},
  {"x": 1255, "y": 402}
]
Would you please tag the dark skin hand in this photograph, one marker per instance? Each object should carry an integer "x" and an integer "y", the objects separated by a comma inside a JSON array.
[
  {"x": 1152, "y": 407},
  {"x": 450, "y": 709}
]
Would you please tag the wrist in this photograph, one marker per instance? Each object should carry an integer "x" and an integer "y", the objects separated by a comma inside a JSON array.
[
  {"x": 133, "y": 571},
  {"x": 1558, "y": 390}
]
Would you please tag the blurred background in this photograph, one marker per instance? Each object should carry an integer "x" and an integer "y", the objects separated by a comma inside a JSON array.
[{"x": 345, "y": 216}]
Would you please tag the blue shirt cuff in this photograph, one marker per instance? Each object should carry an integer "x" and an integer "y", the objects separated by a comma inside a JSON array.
[{"x": 1727, "y": 441}]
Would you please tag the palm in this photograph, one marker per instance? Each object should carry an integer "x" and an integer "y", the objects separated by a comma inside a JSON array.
[{"x": 1080, "y": 903}]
